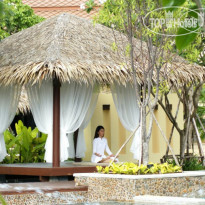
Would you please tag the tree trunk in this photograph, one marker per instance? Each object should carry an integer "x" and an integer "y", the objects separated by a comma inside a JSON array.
[
  {"x": 146, "y": 152},
  {"x": 145, "y": 143},
  {"x": 182, "y": 137}
]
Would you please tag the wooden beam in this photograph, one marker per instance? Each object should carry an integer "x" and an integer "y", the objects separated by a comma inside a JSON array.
[
  {"x": 56, "y": 122},
  {"x": 52, "y": 171}
]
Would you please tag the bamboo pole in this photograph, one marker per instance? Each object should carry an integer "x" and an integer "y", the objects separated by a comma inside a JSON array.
[
  {"x": 199, "y": 140},
  {"x": 200, "y": 122},
  {"x": 127, "y": 140},
  {"x": 165, "y": 138},
  {"x": 197, "y": 137},
  {"x": 172, "y": 130}
]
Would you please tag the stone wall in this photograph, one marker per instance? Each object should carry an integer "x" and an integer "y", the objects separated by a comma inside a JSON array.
[
  {"x": 109, "y": 187},
  {"x": 46, "y": 198}
]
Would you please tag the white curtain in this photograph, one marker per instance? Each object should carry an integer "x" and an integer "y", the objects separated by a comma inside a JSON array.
[
  {"x": 9, "y": 98},
  {"x": 75, "y": 101},
  {"x": 81, "y": 146},
  {"x": 40, "y": 98},
  {"x": 125, "y": 100}
]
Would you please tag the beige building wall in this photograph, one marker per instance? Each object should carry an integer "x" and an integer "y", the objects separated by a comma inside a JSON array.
[{"x": 116, "y": 134}]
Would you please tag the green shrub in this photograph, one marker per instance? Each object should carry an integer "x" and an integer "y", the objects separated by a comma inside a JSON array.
[
  {"x": 134, "y": 169},
  {"x": 189, "y": 164},
  {"x": 2, "y": 200},
  {"x": 26, "y": 147},
  {"x": 192, "y": 164}
]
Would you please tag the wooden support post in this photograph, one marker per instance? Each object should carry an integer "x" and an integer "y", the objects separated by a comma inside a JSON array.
[
  {"x": 56, "y": 122},
  {"x": 75, "y": 145}
]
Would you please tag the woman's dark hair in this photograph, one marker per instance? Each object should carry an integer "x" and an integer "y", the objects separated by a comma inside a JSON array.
[{"x": 97, "y": 130}]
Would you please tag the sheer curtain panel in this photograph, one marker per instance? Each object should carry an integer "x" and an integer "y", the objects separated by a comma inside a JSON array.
[
  {"x": 9, "y": 99},
  {"x": 41, "y": 103},
  {"x": 75, "y": 101},
  {"x": 125, "y": 100},
  {"x": 81, "y": 146}
]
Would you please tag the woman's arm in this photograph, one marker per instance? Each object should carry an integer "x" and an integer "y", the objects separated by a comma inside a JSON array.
[{"x": 107, "y": 149}]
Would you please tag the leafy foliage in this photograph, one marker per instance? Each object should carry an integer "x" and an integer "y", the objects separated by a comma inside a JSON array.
[
  {"x": 16, "y": 16},
  {"x": 133, "y": 169},
  {"x": 192, "y": 165},
  {"x": 26, "y": 147},
  {"x": 2, "y": 200},
  {"x": 189, "y": 164},
  {"x": 89, "y": 5},
  {"x": 167, "y": 3},
  {"x": 187, "y": 36},
  {"x": 113, "y": 12},
  {"x": 183, "y": 40}
]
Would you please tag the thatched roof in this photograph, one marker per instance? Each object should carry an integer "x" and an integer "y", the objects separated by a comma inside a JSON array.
[
  {"x": 71, "y": 47},
  {"x": 23, "y": 105}
]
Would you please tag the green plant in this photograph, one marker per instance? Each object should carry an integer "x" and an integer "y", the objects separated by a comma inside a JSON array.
[
  {"x": 90, "y": 5},
  {"x": 26, "y": 147},
  {"x": 133, "y": 169},
  {"x": 113, "y": 12},
  {"x": 192, "y": 165},
  {"x": 189, "y": 164},
  {"x": 2, "y": 200},
  {"x": 16, "y": 16}
]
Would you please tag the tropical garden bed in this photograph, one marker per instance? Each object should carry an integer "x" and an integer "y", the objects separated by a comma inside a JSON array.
[
  {"x": 130, "y": 168},
  {"x": 27, "y": 146}
]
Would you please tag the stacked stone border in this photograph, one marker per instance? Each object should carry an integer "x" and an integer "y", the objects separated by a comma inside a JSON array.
[{"x": 110, "y": 187}]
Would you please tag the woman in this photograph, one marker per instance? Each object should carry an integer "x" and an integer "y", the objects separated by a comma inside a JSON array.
[{"x": 100, "y": 146}]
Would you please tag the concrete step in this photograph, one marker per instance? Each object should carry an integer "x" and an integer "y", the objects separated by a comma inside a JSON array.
[{"x": 40, "y": 187}]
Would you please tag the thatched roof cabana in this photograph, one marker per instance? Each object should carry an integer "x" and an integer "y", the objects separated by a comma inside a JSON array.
[
  {"x": 65, "y": 49},
  {"x": 70, "y": 47}
]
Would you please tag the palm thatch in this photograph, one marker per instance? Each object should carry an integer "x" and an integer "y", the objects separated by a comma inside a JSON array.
[
  {"x": 23, "y": 105},
  {"x": 72, "y": 48}
]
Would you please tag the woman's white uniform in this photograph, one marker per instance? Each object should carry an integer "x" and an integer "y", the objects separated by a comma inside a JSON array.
[{"x": 100, "y": 146}]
